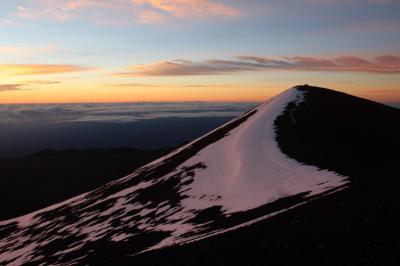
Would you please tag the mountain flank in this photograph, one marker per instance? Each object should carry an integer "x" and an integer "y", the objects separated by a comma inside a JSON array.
[{"x": 307, "y": 178}]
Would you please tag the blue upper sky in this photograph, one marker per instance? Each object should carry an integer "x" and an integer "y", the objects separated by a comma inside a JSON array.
[{"x": 71, "y": 50}]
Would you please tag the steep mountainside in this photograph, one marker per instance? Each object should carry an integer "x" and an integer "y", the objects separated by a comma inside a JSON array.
[
  {"x": 310, "y": 175},
  {"x": 355, "y": 226}
]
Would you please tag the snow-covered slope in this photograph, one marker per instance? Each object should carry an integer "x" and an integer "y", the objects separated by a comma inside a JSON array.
[{"x": 229, "y": 178}]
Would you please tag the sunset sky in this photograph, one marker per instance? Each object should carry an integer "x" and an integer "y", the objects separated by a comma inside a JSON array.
[{"x": 196, "y": 50}]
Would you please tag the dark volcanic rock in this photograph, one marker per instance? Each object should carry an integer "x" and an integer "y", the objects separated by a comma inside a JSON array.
[
  {"x": 47, "y": 177},
  {"x": 354, "y": 222}
]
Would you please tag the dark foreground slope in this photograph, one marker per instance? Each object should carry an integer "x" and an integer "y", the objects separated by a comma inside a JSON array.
[
  {"x": 30, "y": 183},
  {"x": 356, "y": 226}
]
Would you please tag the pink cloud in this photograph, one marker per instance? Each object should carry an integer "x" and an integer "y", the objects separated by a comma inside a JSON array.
[
  {"x": 387, "y": 64},
  {"x": 123, "y": 11},
  {"x": 184, "y": 8},
  {"x": 388, "y": 60}
]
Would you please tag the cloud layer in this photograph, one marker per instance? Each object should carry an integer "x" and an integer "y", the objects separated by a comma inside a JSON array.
[
  {"x": 123, "y": 11},
  {"x": 150, "y": 11},
  {"x": 386, "y": 64},
  {"x": 11, "y": 87},
  {"x": 116, "y": 112},
  {"x": 38, "y": 69}
]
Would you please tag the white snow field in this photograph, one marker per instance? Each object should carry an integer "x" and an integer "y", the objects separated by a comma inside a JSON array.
[{"x": 241, "y": 171}]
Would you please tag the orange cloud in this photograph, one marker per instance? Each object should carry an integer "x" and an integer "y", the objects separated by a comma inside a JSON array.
[
  {"x": 36, "y": 69},
  {"x": 11, "y": 87},
  {"x": 42, "y": 82},
  {"x": 387, "y": 64}
]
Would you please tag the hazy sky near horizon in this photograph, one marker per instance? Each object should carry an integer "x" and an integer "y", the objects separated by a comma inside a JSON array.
[{"x": 188, "y": 50}]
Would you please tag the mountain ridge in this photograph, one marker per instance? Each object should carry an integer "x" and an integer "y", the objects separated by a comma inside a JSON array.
[{"x": 102, "y": 220}]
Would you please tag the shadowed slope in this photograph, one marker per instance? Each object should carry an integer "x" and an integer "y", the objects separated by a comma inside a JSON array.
[
  {"x": 346, "y": 134},
  {"x": 37, "y": 181},
  {"x": 356, "y": 226},
  {"x": 219, "y": 186}
]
